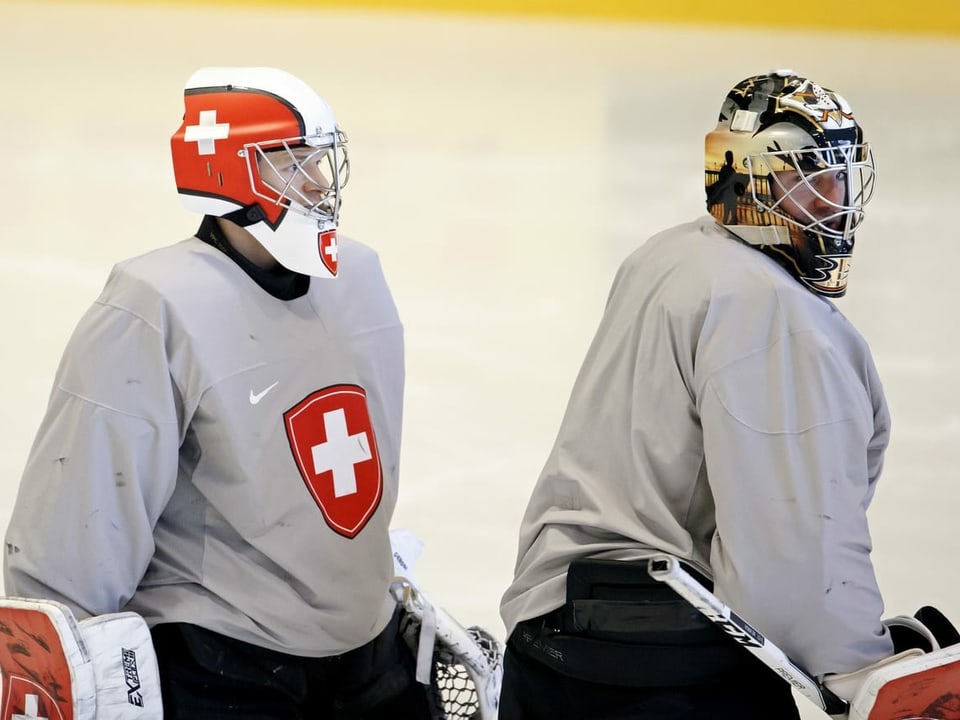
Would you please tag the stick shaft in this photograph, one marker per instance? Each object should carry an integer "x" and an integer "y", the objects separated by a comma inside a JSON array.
[{"x": 667, "y": 569}]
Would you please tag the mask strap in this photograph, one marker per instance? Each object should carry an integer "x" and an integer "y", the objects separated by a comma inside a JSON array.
[{"x": 245, "y": 216}]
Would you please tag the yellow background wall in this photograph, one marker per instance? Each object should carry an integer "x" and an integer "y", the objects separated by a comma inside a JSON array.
[{"x": 917, "y": 16}]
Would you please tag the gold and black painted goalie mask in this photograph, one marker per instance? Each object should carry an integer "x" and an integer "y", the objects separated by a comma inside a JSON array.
[{"x": 787, "y": 171}]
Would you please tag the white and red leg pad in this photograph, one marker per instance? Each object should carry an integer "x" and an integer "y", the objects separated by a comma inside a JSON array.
[
  {"x": 926, "y": 686},
  {"x": 54, "y": 668}
]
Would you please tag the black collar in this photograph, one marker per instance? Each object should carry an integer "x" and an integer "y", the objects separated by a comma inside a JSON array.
[{"x": 278, "y": 281}]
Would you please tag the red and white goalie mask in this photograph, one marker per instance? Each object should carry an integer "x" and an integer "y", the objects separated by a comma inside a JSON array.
[{"x": 257, "y": 146}]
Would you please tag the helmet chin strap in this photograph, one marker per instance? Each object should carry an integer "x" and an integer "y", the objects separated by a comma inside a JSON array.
[
  {"x": 759, "y": 235},
  {"x": 246, "y": 216}
]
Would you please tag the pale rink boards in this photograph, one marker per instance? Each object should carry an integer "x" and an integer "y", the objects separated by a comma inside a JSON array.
[{"x": 502, "y": 169}]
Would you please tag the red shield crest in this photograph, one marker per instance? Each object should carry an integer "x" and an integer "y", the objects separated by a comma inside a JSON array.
[
  {"x": 333, "y": 444},
  {"x": 329, "y": 250}
]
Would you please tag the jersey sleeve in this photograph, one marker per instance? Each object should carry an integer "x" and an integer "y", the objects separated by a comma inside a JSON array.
[
  {"x": 102, "y": 467},
  {"x": 793, "y": 440}
]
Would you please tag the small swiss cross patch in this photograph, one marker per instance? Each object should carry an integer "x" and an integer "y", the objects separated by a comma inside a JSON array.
[
  {"x": 329, "y": 250},
  {"x": 36, "y": 680},
  {"x": 334, "y": 447},
  {"x": 26, "y": 700}
]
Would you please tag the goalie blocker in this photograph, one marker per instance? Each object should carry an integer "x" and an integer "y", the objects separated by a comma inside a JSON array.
[
  {"x": 53, "y": 667},
  {"x": 921, "y": 681}
]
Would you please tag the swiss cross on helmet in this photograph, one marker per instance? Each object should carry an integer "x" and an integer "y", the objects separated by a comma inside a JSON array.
[
  {"x": 259, "y": 147},
  {"x": 787, "y": 171}
]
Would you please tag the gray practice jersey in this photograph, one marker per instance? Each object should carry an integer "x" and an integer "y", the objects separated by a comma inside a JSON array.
[
  {"x": 214, "y": 455},
  {"x": 729, "y": 416}
]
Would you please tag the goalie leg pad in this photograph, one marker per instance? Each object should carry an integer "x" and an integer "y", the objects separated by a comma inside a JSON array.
[
  {"x": 54, "y": 667},
  {"x": 45, "y": 667},
  {"x": 124, "y": 667},
  {"x": 927, "y": 687}
]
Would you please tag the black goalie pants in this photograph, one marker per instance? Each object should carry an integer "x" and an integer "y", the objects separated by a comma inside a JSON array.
[
  {"x": 207, "y": 676},
  {"x": 626, "y": 647}
]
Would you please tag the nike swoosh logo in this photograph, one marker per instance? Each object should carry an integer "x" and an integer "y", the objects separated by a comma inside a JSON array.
[{"x": 255, "y": 398}]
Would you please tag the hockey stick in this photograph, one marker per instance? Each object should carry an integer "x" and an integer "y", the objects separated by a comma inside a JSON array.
[
  {"x": 442, "y": 644},
  {"x": 667, "y": 569},
  {"x": 456, "y": 640}
]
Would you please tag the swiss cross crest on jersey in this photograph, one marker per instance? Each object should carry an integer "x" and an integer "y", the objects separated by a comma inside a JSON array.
[{"x": 335, "y": 449}]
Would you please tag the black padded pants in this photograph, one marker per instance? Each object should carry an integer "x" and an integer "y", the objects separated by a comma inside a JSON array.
[
  {"x": 532, "y": 691},
  {"x": 207, "y": 676}
]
